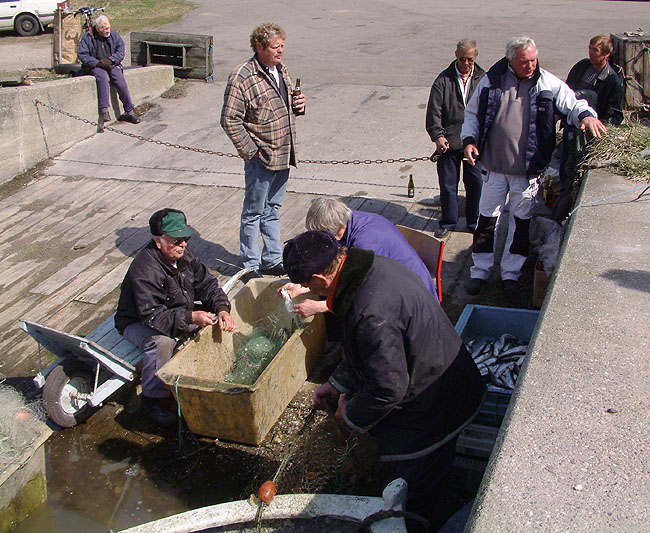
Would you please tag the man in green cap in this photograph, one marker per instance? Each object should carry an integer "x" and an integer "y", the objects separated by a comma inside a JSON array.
[{"x": 156, "y": 307}]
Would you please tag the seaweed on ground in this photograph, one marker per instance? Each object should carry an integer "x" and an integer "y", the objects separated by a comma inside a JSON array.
[{"x": 620, "y": 150}]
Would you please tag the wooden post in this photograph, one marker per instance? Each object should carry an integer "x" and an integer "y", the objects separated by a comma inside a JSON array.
[{"x": 632, "y": 54}]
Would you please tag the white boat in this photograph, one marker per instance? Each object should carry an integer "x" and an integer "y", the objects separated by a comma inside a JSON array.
[{"x": 289, "y": 506}]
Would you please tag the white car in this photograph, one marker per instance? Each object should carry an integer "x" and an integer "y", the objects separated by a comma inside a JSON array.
[{"x": 27, "y": 17}]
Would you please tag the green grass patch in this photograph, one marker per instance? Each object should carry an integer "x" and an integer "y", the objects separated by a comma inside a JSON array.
[{"x": 131, "y": 15}]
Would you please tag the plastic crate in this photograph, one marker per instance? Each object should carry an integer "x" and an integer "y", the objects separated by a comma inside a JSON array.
[{"x": 488, "y": 321}]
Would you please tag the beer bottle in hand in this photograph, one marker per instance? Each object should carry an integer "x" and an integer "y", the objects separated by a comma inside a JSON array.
[{"x": 296, "y": 91}]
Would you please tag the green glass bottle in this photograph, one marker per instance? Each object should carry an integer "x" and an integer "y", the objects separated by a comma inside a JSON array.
[{"x": 411, "y": 189}]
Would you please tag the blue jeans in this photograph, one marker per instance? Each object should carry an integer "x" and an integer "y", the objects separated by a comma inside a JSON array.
[
  {"x": 448, "y": 177},
  {"x": 265, "y": 190}
]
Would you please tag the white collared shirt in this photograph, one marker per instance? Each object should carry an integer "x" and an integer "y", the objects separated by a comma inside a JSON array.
[
  {"x": 464, "y": 83},
  {"x": 273, "y": 71}
]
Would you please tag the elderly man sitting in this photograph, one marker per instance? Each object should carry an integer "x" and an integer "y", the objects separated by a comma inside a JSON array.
[
  {"x": 357, "y": 229},
  {"x": 156, "y": 307},
  {"x": 101, "y": 53}
]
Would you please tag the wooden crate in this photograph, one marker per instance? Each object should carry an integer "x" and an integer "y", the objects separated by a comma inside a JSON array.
[
  {"x": 189, "y": 54},
  {"x": 632, "y": 54},
  {"x": 231, "y": 411}
]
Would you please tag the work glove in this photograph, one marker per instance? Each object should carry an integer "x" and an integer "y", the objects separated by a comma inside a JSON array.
[{"x": 106, "y": 64}]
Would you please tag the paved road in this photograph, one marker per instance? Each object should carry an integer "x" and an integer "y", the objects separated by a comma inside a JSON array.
[{"x": 366, "y": 69}]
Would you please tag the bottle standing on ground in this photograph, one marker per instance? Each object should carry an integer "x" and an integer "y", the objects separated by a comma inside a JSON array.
[{"x": 411, "y": 187}]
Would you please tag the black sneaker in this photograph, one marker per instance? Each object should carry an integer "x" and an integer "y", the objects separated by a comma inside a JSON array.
[
  {"x": 442, "y": 233},
  {"x": 511, "y": 289},
  {"x": 276, "y": 270},
  {"x": 106, "y": 115},
  {"x": 474, "y": 286},
  {"x": 160, "y": 414},
  {"x": 130, "y": 117},
  {"x": 253, "y": 274}
]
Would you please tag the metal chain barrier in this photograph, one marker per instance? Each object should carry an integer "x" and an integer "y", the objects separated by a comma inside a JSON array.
[
  {"x": 134, "y": 136},
  {"x": 227, "y": 154}
]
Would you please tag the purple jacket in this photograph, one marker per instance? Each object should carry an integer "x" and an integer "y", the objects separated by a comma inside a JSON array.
[{"x": 374, "y": 232}]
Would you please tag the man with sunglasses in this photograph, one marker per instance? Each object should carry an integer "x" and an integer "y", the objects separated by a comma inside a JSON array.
[
  {"x": 450, "y": 92},
  {"x": 156, "y": 309}
]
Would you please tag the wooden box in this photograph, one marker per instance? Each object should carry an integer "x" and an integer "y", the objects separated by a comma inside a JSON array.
[
  {"x": 632, "y": 54},
  {"x": 189, "y": 54},
  {"x": 236, "y": 412}
]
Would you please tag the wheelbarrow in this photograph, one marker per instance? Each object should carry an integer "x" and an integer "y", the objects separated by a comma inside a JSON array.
[{"x": 87, "y": 369}]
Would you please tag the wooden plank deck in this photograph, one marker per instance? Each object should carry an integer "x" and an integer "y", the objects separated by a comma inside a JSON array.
[{"x": 68, "y": 243}]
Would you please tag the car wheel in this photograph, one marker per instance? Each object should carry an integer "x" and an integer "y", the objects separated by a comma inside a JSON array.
[{"x": 27, "y": 25}]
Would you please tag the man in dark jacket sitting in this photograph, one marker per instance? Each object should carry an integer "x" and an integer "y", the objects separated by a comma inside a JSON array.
[
  {"x": 156, "y": 307},
  {"x": 406, "y": 377},
  {"x": 101, "y": 52}
]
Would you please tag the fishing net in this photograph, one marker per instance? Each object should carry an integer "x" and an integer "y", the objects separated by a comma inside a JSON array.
[
  {"x": 18, "y": 427},
  {"x": 325, "y": 458},
  {"x": 255, "y": 350}
]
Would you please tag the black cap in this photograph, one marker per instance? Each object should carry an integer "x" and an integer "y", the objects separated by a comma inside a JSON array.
[{"x": 309, "y": 253}]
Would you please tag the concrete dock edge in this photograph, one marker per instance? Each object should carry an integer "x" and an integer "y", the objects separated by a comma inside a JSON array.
[{"x": 30, "y": 134}]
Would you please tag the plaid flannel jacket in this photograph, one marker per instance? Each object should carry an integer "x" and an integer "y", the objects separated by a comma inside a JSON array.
[{"x": 255, "y": 117}]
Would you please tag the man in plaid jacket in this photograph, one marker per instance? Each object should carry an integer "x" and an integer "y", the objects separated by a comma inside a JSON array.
[{"x": 258, "y": 116}]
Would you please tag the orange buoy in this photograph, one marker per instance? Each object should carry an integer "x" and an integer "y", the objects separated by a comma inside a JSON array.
[
  {"x": 267, "y": 491},
  {"x": 22, "y": 415}
]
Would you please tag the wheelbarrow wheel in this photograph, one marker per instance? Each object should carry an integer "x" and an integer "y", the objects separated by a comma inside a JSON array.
[{"x": 60, "y": 392}]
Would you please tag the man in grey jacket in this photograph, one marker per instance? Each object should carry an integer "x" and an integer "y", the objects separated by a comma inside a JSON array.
[
  {"x": 451, "y": 90},
  {"x": 509, "y": 128}
]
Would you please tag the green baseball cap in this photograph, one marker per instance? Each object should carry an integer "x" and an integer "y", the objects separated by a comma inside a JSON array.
[{"x": 175, "y": 225}]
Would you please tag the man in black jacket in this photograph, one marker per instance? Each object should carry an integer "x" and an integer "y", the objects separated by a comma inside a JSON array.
[
  {"x": 406, "y": 377},
  {"x": 450, "y": 92},
  {"x": 597, "y": 75},
  {"x": 156, "y": 306},
  {"x": 595, "y": 80}
]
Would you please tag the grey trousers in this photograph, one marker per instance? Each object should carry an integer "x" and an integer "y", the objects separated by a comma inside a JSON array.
[
  {"x": 158, "y": 349},
  {"x": 103, "y": 79}
]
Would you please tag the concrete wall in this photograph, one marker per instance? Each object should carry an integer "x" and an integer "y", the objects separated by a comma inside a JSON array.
[
  {"x": 573, "y": 452},
  {"x": 30, "y": 134},
  {"x": 23, "y": 485}
]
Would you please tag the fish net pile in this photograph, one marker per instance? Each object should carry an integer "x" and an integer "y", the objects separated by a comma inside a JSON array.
[
  {"x": 325, "y": 458},
  {"x": 17, "y": 428},
  {"x": 499, "y": 360},
  {"x": 254, "y": 353}
]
